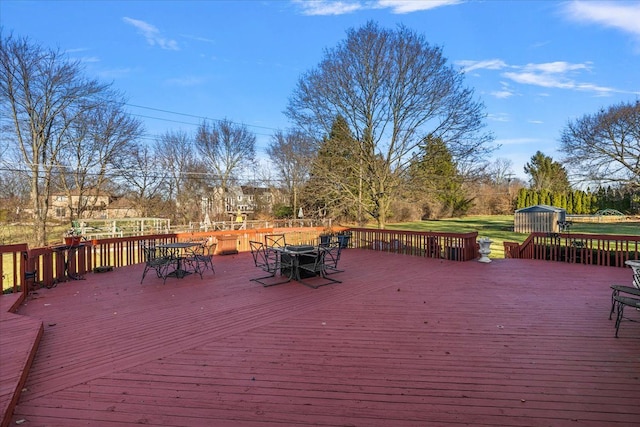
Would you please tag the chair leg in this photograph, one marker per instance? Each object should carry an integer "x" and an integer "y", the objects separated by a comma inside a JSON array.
[
  {"x": 619, "y": 316},
  {"x": 265, "y": 284},
  {"x": 323, "y": 274},
  {"x": 613, "y": 302}
]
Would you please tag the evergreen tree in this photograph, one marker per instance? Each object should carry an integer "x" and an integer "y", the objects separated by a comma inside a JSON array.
[
  {"x": 337, "y": 162},
  {"x": 546, "y": 174},
  {"x": 434, "y": 176}
]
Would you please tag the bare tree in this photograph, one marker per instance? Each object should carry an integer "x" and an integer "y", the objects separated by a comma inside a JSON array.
[
  {"x": 185, "y": 174},
  {"x": 393, "y": 89},
  {"x": 42, "y": 93},
  {"x": 96, "y": 140},
  {"x": 292, "y": 153},
  {"x": 605, "y": 147},
  {"x": 141, "y": 176},
  {"x": 227, "y": 150}
]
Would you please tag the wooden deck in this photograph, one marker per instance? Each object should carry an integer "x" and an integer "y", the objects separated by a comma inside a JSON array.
[{"x": 403, "y": 341}]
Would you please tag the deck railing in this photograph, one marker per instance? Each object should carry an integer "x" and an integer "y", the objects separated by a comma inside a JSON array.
[
  {"x": 596, "y": 249},
  {"x": 452, "y": 246},
  {"x": 50, "y": 265}
]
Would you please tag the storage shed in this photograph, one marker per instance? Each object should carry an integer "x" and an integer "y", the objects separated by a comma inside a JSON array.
[{"x": 538, "y": 218}]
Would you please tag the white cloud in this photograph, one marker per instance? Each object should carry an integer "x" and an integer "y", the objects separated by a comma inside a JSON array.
[
  {"x": 556, "y": 67},
  {"x": 501, "y": 94},
  {"x": 499, "y": 117},
  {"x": 539, "y": 79},
  {"x": 89, "y": 59},
  {"x": 152, "y": 34},
  {"x": 327, "y": 7},
  {"x": 487, "y": 64},
  {"x": 624, "y": 16},
  {"x": 408, "y": 6},
  {"x": 558, "y": 75},
  {"x": 342, "y": 7},
  {"x": 115, "y": 73},
  {"x": 198, "y": 38}
]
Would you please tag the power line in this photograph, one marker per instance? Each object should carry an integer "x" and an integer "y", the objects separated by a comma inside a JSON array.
[{"x": 195, "y": 116}]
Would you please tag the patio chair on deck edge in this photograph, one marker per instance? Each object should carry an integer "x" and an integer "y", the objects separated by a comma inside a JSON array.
[{"x": 268, "y": 261}]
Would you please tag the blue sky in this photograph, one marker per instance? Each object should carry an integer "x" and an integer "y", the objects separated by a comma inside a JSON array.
[{"x": 535, "y": 64}]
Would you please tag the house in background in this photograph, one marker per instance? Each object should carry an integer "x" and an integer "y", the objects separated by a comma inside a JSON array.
[
  {"x": 122, "y": 208},
  {"x": 247, "y": 200},
  {"x": 93, "y": 205}
]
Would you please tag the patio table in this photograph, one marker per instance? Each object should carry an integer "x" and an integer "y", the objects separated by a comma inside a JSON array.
[
  {"x": 292, "y": 255},
  {"x": 177, "y": 253},
  {"x": 68, "y": 256}
]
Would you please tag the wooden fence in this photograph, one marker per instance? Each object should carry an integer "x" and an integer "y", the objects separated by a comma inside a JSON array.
[{"x": 596, "y": 249}]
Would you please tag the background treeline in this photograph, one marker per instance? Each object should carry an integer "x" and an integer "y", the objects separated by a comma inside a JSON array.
[{"x": 580, "y": 202}]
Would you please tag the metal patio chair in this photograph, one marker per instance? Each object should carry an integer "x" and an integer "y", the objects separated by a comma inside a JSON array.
[
  {"x": 275, "y": 240},
  {"x": 318, "y": 267},
  {"x": 624, "y": 289},
  {"x": 269, "y": 261},
  {"x": 157, "y": 261},
  {"x": 621, "y": 303},
  {"x": 201, "y": 258},
  {"x": 332, "y": 253}
]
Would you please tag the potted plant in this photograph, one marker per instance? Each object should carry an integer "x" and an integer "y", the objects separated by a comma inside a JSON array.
[{"x": 72, "y": 237}]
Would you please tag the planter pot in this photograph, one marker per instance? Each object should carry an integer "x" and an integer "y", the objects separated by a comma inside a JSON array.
[
  {"x": 227, "y": 245},
  {"x": 485, "y": 249},
  {"x": 325, "y": 240},
  {"x": 72, "y": 240},
  {"x": 344, "y": 240}
]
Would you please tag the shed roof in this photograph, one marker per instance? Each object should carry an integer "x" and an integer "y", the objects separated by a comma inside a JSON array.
[{"x": 541, "y": 208}]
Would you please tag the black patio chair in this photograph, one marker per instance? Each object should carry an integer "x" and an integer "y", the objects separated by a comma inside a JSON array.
[
  {"x": 201, "y": 258},
  {"x": 621, "y": 303},
  {"x": 275, "y": 240},
  {"x": 268, "y": 261},
  {"x": 624, "y": 289},
  {"x": 157, "y": 261},
  {"x": 316, "y": 266},
  {"x": 332, "y": 253}
]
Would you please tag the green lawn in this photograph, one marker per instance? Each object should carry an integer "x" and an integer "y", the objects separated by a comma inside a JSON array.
[{"x": 499, "y": 229}]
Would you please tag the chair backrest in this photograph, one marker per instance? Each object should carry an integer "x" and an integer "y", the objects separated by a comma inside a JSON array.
[
  {"x": 275, "y": 240},
  {"x": 258, "y": 253},
  {"x": 196, "y": 250},
  {"x": 149, "y": 253},
  {"x": 210, "y": 248},
  {"x": 636, "y": 279},
  {"x": 331, "y": 254}
]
